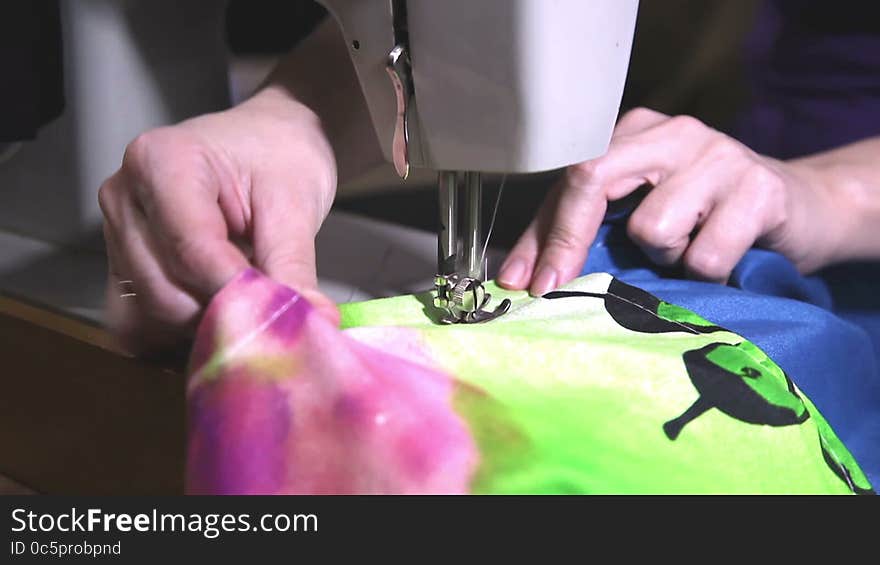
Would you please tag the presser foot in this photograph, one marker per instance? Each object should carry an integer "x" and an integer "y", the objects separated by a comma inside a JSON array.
[{"x": 464, "y": 299}]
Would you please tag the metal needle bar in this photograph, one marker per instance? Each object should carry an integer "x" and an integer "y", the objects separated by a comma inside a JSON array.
[
  {"x": 473, "y": 198},
  {"x": 446, "y": 240}
]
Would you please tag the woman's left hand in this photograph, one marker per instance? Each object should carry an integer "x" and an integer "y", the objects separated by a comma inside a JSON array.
[{"x": 712, "y": 199}]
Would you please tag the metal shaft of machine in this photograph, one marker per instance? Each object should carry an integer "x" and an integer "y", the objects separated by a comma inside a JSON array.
[
  {"x": 447, "y": 200},
  {"x": 473, "y": 229}
]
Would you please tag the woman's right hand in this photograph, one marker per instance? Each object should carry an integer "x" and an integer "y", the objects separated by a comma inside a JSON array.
[{"x": 196, "y": 203}]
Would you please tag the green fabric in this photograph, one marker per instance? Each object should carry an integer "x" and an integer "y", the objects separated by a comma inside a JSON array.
[{"x": 605, "y": 389}]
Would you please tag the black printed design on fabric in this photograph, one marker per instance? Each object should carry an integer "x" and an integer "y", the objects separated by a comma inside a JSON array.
[
  {"x": 723, "y": 384},
  {"x": 637, "y": 310},
  {"x": 619, "y": 304},
  {"x": 740, "y": 380}
]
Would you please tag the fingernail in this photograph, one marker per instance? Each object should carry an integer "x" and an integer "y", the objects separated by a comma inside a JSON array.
[
  {"x": 513, "y": 273},
  {"x": 545, "y": 281}
]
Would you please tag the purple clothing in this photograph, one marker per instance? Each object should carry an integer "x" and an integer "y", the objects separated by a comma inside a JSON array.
[{"x": 814, "y": 71}]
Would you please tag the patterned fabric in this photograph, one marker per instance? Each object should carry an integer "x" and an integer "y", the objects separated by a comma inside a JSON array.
[
  {"x": 597, "y": 388},
  {"x": 822, "y": 330}
]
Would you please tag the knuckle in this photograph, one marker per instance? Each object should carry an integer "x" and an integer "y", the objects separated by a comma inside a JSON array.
[
  {"x": 137, "y": 157},
  {"x": 766, "y": 189},
  {"x": 563, "y": 238},
  {"x": 160, "y": 147},
  {"x": 581, "y": 173},
  {"x": 707, "y": 264},
  {"x": 723, "y": 148},
  {"x": 777, "y": 211},
  {"x": 652, "y": 231},
  {"x": 586, "y": 174},
  {"x": 762, "y": 180},
  {"x": 137, "y": 152},
  {"x": 107, "y": 196},
  {"x": 686, "y": 125},
  {"x": 182, "y": 256},
  {"x": 639, "y": 115}
]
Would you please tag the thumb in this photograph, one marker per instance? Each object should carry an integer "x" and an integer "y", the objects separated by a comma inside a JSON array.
[{"x": 284, "y": 230}]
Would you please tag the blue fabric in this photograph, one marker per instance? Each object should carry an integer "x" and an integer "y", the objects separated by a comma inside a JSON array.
[{"x": 823, "y": 330}]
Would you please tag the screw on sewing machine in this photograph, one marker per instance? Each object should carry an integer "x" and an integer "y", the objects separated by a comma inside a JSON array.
[{"x": 464, "y": 300}]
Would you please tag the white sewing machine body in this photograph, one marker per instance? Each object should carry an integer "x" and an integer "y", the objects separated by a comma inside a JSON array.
[
  {"x": 499, "y": 86},
  {"x": 505, "y": 86},
  {"x": 466, "y": 87}
]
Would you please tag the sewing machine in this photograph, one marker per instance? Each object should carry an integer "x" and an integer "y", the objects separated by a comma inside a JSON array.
[
  {"x": 462, "y": 87},
  {"x": 468, "y": 87}
]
